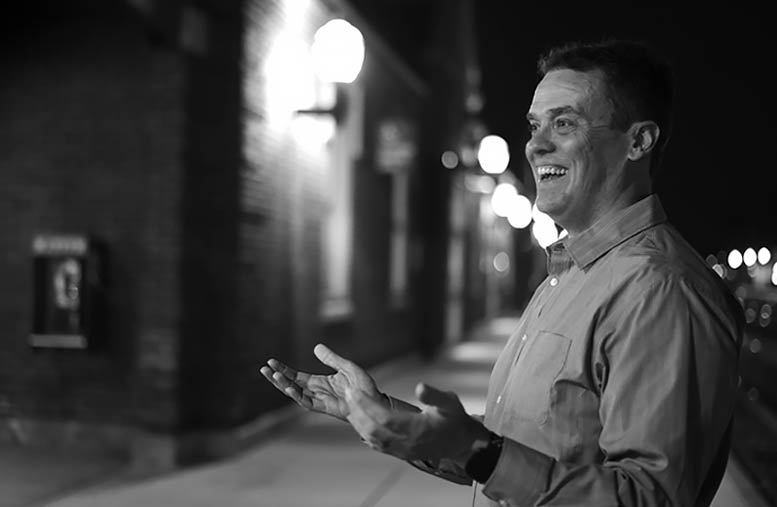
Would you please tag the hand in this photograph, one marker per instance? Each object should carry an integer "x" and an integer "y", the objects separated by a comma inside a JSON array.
[
  {"x": 442, "y": 429},
  {"x": 324, "y": 393}
]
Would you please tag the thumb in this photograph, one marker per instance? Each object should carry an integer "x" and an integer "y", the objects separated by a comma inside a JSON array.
[
  {"x": 329, "y": 358},
  {"x": 429, "y": 395}
]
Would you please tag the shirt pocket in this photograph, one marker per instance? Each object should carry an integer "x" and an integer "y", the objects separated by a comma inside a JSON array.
[{"x": 539, "y": 365}]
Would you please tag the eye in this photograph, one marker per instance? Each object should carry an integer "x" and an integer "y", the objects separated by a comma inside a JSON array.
[
  {"x": 564, "y": 125},
  {"x": 533, "y": 127}
]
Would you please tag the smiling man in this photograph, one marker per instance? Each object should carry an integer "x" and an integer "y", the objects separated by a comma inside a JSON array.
[{"x": 617, "y": 388}]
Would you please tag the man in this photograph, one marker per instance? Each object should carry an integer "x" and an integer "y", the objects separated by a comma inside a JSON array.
[{"x": 617, "y": 388}]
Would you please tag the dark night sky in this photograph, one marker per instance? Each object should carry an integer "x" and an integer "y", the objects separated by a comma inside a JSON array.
[{"x": 719, "y": 184}]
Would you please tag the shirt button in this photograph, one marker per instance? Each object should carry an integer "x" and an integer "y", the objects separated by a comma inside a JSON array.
[
  {"x": 499, "y": 399},
  {"x": 504, "y": 503},
  {"x": 553, "y": 281},
  {"x": 523, "y": 338}
]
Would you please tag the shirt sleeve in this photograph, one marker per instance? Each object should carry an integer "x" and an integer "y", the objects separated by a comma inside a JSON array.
[
  {"x": 444, "y": 469},
  {"x": 667, "y": 356}
]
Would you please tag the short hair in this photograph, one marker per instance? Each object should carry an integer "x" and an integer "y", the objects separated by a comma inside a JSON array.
[{"x": 639, "y": 83}]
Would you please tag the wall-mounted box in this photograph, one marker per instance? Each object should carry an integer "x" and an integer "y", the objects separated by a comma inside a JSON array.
[{"x": 66, "y": 296}]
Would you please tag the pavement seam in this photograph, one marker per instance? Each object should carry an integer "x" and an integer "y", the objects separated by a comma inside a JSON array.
[{"x": 384, "y": 486}]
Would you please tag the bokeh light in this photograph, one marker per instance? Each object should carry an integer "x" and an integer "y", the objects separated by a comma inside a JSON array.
[
  {"x": 449, "y": 159},
  {"x": 734, "y": 259},
  {"x": 749, "y": 257},
  {"x": 493, "y": 154},
  {"x": 519, "y": 214},
  {"x": 501, "y": 262},
  {"x": 764, "y": 256},
  {"x": 501, "y": 199},
  {"x": 544, "y": 228},
  {"x": 338, "y": 51}
]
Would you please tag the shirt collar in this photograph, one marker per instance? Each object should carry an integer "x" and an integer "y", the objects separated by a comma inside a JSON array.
[{"x": 613, "y": 229}]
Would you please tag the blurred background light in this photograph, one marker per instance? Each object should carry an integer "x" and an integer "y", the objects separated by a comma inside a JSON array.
[
  {"x": 291, "y": 84},
  {"x": 519, "y": 214},
  {"x": 734, "y": 259},
  {"x": 501, "y": 262},
  {"x": 493, "y": 154},
  {"x": 749, "y": 257},
  {"x": 764, "y": 256},
  {"x": 544, "y": 228},
  {"x": 313, "y": 130},
  {"x": 502, "y": 199},
  {"x": 479, "y": 184},
  {"x": 449, "y": 159},
  {"x": 338, "y": 51}
]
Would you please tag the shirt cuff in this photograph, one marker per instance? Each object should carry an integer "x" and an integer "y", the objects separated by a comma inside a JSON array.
[
  {"x": 444, "y": 469},
  {"x": 521, "y": 475}
]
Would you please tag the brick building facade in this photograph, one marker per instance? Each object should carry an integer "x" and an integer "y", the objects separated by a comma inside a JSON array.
[{"x": 149, "y": 127}]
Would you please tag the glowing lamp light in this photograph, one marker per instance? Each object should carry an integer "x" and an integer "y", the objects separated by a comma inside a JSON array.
[
  {"x": 290, "y": 81},
  {"x": 544, "y": 228},
  {"x": 545, "y": 233},
  {"x": 734, "y": 259},
  {"x": 501, "y": 199},
  {"x": 493, "y": 154},
  {"x": 774, "y": 276},
  {"x": 501, "y": 262},
  {"x": 449, "y": 159},
  {"x": 479, "y": 184},
  {"x": 338, "y": 52},
  {"x": 749, "y": 257},
  {"x": 764, "y": 256},
  {"x": 519, "y": 214},
  {"x": 313, "y": 131}
]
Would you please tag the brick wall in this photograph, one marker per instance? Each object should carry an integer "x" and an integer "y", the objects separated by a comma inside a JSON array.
[
  {"x": 91, "y": 119},
  {"x": 152, "y": 131}
]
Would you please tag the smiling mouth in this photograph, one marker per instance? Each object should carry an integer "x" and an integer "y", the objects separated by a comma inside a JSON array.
[{"x": 550, "y": 172}]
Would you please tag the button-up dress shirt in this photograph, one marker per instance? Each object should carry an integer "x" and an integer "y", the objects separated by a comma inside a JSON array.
[{"x": 617, "y": 387}]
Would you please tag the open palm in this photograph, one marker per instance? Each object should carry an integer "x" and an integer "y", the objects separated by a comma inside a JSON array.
[{"x": 323, "y": 393}]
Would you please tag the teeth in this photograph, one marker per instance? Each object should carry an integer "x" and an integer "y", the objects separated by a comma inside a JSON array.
[{"x": 549, "y": 170}]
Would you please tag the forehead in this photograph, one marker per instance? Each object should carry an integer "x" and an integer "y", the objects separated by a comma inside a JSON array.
[{"x": 567, "y": 88}]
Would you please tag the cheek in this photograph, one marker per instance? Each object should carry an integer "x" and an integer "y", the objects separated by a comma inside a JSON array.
[{"x": 580, "y": 153}]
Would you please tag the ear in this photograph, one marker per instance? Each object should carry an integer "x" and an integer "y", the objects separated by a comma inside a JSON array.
[{"x": 644, "y": 136}]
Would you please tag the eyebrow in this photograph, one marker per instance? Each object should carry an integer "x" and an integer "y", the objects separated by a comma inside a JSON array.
[{"x": 556, "y": 111}]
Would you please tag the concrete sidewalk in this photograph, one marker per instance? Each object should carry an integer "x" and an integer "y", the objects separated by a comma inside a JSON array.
[{"x": 316, "y": 461}]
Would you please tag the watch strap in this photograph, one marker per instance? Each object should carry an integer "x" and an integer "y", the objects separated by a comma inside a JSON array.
[{"x": 483, "y": 461}]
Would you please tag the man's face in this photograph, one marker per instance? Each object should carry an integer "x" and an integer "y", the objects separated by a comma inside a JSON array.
[{"x": 576, "y": 157}]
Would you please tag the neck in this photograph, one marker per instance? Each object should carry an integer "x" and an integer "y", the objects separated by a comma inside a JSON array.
[{"x": 632, "y": 194}]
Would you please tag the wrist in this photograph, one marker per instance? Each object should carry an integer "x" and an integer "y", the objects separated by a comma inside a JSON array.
[
  {"x": 389, "y": 401},
  {"x": 477, "y": 437},
  {"x": 485, "y": 454}
]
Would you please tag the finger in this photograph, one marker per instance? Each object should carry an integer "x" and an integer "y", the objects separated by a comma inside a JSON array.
[
  {"x": 429, "y": 395},
  {"x": 269, "y": 374},
  {"x": 329, "y": 358},
  {"x": 289, "y": 372},
  {"x": 288, "y": 388}
]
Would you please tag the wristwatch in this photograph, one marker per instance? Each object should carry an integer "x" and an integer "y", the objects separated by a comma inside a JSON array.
[{"x": 482, "y": 462}]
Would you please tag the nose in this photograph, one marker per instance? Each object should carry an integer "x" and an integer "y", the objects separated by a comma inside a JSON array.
[{"x": 539, "y": 143}]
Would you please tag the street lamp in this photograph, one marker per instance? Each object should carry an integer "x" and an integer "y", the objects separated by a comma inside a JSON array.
[{"x": 337, "y": 57}]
